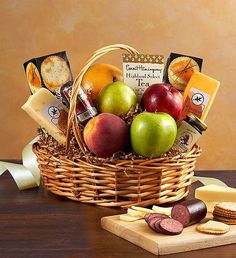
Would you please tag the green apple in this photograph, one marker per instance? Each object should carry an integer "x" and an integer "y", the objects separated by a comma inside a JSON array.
[
  {"x": 116, "y": 98},
  {"x": 152, "y": 134}
]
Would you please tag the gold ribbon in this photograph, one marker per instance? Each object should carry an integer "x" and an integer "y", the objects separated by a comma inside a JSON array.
[{"x": 27, "y": 175}]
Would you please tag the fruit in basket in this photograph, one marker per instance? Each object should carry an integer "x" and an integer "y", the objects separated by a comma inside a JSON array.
[
  {"x": 106, "y": 134},
  {"x": 116, "y": 98},
  {"x": 152, "y": 134},
  {"x": 98, "y": 76},
  {"x": 163, "y": 98}
]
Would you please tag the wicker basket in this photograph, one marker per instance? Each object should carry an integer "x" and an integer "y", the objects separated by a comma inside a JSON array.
[{"x": 112, "y": 182}]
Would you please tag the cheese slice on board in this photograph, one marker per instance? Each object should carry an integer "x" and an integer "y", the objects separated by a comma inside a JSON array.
[{"x": 213, "y": 194}]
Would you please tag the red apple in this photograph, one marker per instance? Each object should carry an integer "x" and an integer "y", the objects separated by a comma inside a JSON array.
[{"x": 163, "y": 98}]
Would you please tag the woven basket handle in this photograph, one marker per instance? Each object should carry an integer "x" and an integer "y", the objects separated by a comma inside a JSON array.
[{"x": 72, "y": 118}]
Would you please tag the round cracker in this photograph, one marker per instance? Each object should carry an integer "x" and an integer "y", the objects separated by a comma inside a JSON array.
[
  {"x": 227, "y": 206},
  {"x": 33, "y": 77},
  {"x": 212, "y": 232},
  {"x": 224, "y": 214},
  {"x": 225, "y": 220},
  {"x": 174, "y": 77},
  {"x": 55, "y": 72},
  {"x": 213, "y": 227}
]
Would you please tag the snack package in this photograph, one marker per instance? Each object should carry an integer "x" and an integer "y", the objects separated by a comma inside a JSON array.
[
  {"x": 180, "y": 68},
  {"x": 50, "y": 71}
]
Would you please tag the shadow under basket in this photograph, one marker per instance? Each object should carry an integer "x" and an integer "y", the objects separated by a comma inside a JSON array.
[{"x": 116, "y": 183}]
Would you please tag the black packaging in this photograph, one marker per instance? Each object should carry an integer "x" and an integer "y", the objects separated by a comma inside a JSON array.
[
  {"x": 179, "y": 69},
  {"x": 49, "y": 71}
]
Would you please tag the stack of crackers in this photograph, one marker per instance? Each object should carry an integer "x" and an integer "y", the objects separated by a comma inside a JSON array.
[
  {"x": 225, "y": 212},
  {"x": 224, "y": 215}
]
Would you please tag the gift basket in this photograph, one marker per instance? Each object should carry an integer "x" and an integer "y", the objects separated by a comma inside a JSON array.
[{"x": 121, "y": 180}]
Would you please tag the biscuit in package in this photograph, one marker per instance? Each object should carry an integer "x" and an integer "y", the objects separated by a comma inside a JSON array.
[
  {"x": 50, "y": 71},
  {"x": 180, "y": 68}
]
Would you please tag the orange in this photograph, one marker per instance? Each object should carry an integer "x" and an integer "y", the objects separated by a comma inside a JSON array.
[{"x": 99, "y": 76}]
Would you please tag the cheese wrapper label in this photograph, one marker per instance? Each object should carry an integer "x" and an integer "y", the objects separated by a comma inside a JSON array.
[
  {"x": 49, "y": 113},
  {"x": 141, "y": 71},
  {"x": 199, "y": 95}
]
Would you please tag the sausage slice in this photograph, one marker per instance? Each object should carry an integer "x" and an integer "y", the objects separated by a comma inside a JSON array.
[
  {"x": 152, "y": 223},
  {"x": 150, "y": 216},
  {"x": 170, "y": 226}
]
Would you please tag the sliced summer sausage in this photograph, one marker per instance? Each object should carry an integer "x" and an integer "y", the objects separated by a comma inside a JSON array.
[
  {"x": 170, "y": 226},
  {"x": 152, "y": 223},
  {"x": 150, "y": 216},
  {"x": 189, "y": 212},
  {"x": 157, "y": 225},
  {"x": 154, "y": 219},
  {"x": 146, "y": 217}
]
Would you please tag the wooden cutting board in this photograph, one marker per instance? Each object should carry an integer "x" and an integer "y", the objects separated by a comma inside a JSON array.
[{"x": 140, "y": 234}]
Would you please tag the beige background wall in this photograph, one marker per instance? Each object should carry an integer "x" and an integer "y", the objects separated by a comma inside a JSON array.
[{"x": 202, "y": 28}]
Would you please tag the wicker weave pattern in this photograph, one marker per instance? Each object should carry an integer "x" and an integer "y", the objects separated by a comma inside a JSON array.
[{"x": 121, "y": 183}]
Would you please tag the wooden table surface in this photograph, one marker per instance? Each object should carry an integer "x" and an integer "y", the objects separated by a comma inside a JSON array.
[{"x": 36, "y": 223}]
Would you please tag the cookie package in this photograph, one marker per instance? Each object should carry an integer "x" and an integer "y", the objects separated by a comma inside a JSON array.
[{"x": 50, "y": 71}]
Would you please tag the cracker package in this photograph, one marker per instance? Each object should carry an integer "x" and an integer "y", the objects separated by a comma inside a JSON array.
[
  {"x": 50, "y": 71},
  {"x": 179, "y": 69}
]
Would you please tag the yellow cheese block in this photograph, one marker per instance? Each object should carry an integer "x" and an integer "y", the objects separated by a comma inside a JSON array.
[
  {"x": 49, "y": 113},
  {"x": 213, "y": 194},
  {"x": 216, "y": 193},
  {"x": 199, "y": 95}
]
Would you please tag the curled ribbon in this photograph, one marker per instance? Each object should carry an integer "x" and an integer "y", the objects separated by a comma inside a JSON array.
[
  {"x": 208, "y": 181},
  {"x": 27, "y": 175}
]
